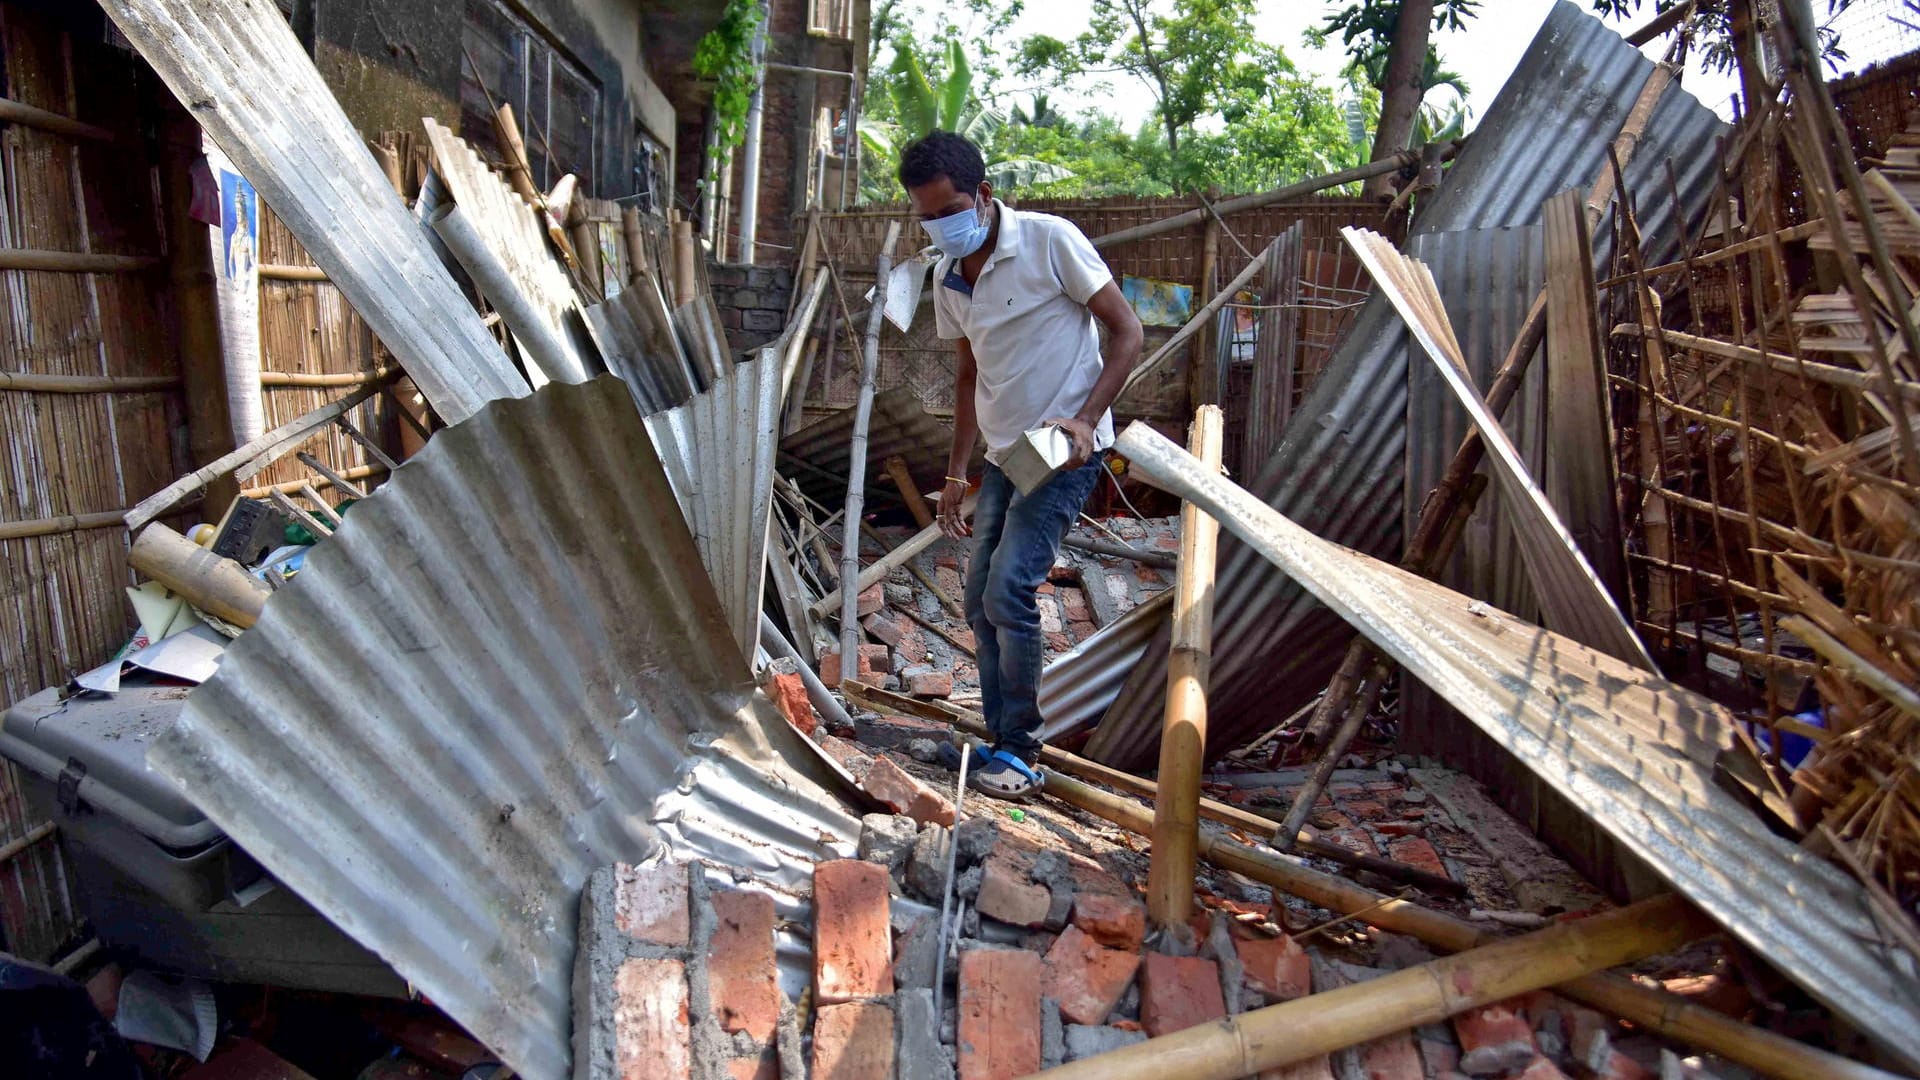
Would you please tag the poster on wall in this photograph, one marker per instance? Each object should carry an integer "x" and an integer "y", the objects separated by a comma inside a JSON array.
[
  {"x": 1158, "y": 303},
  {"x": 236, "y": 268}
]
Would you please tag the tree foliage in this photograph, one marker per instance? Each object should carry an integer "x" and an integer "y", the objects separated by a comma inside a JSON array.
[{"x": 1711, "y": 27}]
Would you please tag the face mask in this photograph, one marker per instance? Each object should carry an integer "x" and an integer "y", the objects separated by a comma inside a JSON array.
[{"x": 958, "y": 235}]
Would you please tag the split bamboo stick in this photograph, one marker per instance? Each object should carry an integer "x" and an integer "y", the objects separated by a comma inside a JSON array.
[
  {"x": 1655, "y": 1010},
  {"x": 1332, "y": 1020},
  {"x": 857, "y": 469},
  {"x": 217, "y": 585},
  {"x": 1183, "y": 739}
]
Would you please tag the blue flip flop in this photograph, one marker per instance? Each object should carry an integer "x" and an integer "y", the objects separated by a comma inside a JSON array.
[
  {"x": 949, "y": 757},
  {"x": 1007, "y": 777}
]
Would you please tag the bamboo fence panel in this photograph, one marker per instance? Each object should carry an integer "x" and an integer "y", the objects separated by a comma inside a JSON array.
[{"x": 71, "y": 454}]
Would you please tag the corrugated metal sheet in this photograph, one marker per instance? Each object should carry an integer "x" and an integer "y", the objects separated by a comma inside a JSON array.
[
  {"x": 1340, "y": 466},
  {"x": 505, "y": 670},
  {"x": 248, "y": 81},
  {"x": 1571, "y": 596},
  {"x": 1099, "y": 667},
  {"x": 1631, "y": 750},
  {"x": 515, "y": 235},
  {"x": 636, "y": 336},
  {"x": 718, "y": 451},
  {"x": 1276, "y": 345},
  {"x": 815, "y": 457}
]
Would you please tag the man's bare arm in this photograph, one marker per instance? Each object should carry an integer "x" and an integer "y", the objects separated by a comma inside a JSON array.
[
  {"x": 966, "y": 429},
  {"x": 1124, "y": 336}
]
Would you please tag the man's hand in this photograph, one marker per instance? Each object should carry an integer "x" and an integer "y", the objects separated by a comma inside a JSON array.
[
  {"x": 952, "y": 519},
  {"x": 1081, "y": 433}
]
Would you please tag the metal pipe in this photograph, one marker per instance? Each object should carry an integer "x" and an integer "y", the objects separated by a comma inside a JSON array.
[
  {"x": 857, "y": 468},
  {"x": 800, "y": 69},
  {"x": 750, "y": 153},
  {"x": 545, "y": 350}
]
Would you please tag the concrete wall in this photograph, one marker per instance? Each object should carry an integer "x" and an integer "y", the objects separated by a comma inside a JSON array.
[{"x": 391, "y": 63}]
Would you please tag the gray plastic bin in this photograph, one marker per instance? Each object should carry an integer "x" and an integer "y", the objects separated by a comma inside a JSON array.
[{"x": 155, "y": 876}]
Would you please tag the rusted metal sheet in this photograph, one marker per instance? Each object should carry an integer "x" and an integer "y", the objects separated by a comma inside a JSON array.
[
  {"x": 1340, "y": 466},
  {"x": 248, "y": 81},
  {"x": 1631, "y": 750},
  {"x": 505, "y": 670},
  {"x": 1571, "y": 595},
  {"x": 718, "y": 451}
]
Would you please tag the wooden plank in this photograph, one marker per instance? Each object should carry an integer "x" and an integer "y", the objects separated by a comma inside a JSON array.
[
  {"x": 1572, "y": 597},
  {"x": 1578, "y": 474}
]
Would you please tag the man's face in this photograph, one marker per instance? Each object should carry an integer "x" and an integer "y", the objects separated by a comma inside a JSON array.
[{"x": 937, "y": 198}]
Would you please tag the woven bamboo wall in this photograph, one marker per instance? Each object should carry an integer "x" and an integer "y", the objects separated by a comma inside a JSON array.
[
  {"x": 850, "y": 243},
  {"x": 71, "y": 453}
]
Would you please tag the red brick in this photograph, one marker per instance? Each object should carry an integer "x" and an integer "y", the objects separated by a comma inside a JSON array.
[
  {"x": 1312, "y": 1069},
  {"x": 1113, "y": 920},
  {"x": 1087, "y": 979},
  {"x": 1383, "y": 787},
  {"x": 650, "y": 902},
  {"x": 934, "y": 684},
  {"x": 1392, "y": 1058},
  {"x": 1057, "y": 641},
  {"x": 1007, "y": 894},
  {"x": 1347, "y": 791},
  {"x": 1494, "y": 1039},
  {"x": 1366, "y": 809},
  {"x": 904, "y": 794},
  {"x": 1354, "y": 839},
  {"x": 789, "y": 692},
  {"x": 1417, "y": 853},
  {"x": 871, "y": 599},
  {"x": 850, "y": 757},
  {"x": 1619, "y": 1066},
  {"x": 1178, "y": 992},
  {"x": 1541, "y": 1069},
  {"x": 740, "y": 963},
  {"x": 852, "y": 945},
  {"x": 650, "y": 1020},
  {"x": 853, "y": 1042},
  {"x": 999, "y": 1003},
  {"x": 1277, "y": 967},
  {"x": 830, "y": 668},
  {"x": 764, "y": 1067},
  {"x": 886, "y": 627}
]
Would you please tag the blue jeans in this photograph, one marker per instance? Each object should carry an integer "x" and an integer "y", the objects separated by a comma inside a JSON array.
[{"x": 1015, "y": 541}]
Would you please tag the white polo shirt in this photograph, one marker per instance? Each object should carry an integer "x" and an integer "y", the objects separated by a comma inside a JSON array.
[{"x": 1035, "y": 344}]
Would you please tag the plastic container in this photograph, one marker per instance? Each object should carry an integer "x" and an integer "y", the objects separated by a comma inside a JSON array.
[{"x": 155, "y": 876}]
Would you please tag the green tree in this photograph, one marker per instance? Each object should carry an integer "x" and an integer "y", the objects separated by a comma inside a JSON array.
[{"x": 1389, "y": 40}]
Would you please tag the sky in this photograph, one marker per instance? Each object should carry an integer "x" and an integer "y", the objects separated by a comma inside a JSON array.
[{"x": 1485, "y": 52}]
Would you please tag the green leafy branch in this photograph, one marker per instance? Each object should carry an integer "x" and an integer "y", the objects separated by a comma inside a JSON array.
[{"x": 725, "y": 55}]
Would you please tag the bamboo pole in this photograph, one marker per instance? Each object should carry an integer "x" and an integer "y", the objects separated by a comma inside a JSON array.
[
  {"x": 14, "y": 112},
  {"x": 74, "y": 262},
  {"x": 1657, "y": 1011},
  {"x": 261, "y": 451},
  {"x": 902, "y": 478},
  {"x": 1246, "y": 821},
  {"x": 87, "y": 384},
  {"x": 1183, "y": 739},
  {"x": 685, "y": 278},
  {"x": 519, "y": 173},
  {"x": 857, "y": 468},
  {"x": 1333, "y": 1020},
  {"x": 378, "y": 376},
  {"x": 1268, "y": 198},
  {"x": 60, "y": 523},
  {"x": 291, "y": 272},
  {"x": 216, "y": 585},
  {"x": 879, "y": 568},
  {"x": 358, "y": 472},
  {"x": 1121, "y": 551}
]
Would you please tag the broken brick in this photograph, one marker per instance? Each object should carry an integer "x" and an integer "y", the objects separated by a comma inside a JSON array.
[
  {"x": 1178, "y": 992},
  {"x": 896, "y": 732},
  {"x": 1366, "y": 809},
  {"x": 865, "y": 671},
  {"x": 848, "y": 755},
  {"x": 1008, "y": 895},
  {"x": 1277, "y": 967},
  {"x": 650, "y": 902},
  {"x": 1355, "y": 840},
  {"x": 1392, "y": 1058},
  {"x": 902, "y": 793},
  {"x": 1416, "y": 852},
  {"x": 650, "y": 1020},
  {"x": 740, "y": 964},
  {"x": 852, "y": 940},
  {"x": 886, "y": 627},
  {"x": 789, "y": 693},
  {"x": 931, "y": 684},
  {"x": 871, "y": 599},
  {"x": 1113, "y": 920},
  {"x": 1618, "y": 1066},
  {"x": 764, "y": 1067},
  {"x": 999, "y": 1001},
  {"x": 1087, "y": 979},
  {"x": 1494, "y": 1039},
  {"x": 853, "y": 1041}
]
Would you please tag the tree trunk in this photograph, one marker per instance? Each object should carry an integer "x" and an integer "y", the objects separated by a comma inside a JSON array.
[{"x": 1400, "y": 90}]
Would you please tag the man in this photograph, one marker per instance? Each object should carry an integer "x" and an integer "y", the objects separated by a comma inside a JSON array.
[{"x": 1019, "y": 295}]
